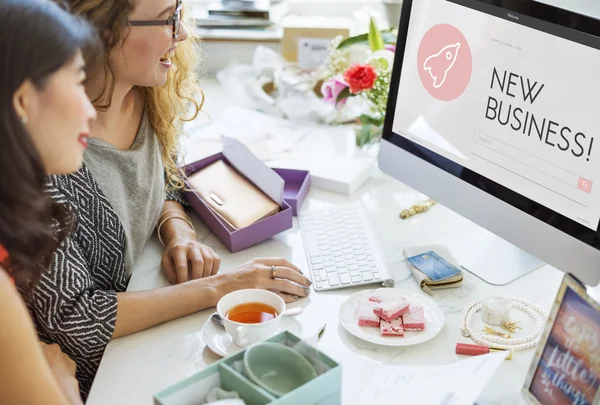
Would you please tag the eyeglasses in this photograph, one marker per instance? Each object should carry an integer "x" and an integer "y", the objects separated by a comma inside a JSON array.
[{"x": 174, "y": 20}]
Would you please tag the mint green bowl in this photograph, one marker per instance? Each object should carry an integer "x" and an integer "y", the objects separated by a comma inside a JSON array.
[{"x": 276, "y": 368}]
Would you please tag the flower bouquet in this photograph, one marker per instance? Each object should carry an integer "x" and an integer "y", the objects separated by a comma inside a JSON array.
[{"x": 360, "y": 67}]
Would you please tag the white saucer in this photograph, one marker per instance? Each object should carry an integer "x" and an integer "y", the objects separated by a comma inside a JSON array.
[
  {"x": 219, "y": 341},
  {"x": 434, "y": 318}
]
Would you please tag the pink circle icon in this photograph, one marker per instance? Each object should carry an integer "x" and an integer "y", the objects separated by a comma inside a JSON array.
[{"x": 444, "y": 62}]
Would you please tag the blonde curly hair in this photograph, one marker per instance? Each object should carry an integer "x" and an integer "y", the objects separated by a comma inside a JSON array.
[{"x": 168, "y": 106}]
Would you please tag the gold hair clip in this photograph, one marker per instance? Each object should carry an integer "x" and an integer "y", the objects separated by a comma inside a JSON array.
[
  {"x": 417, "y": 209},
  {"x": 490, "y": 331},
  {"x": 511, "y": 326}
]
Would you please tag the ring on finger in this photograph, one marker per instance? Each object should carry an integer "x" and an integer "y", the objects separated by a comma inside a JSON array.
[{"x": 273, "y": 274}]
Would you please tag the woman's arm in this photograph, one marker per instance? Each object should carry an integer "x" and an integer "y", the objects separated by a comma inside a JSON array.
[
  {"x": 184, "y": 258},
  {"x": 144, "y": 309},
  {"x": 25, "y": 375}
]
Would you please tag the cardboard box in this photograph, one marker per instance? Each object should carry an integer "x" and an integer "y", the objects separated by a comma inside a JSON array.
[
  {"x": 323, "y": 390},
  {"x": 268, "y": 180},
  {"x": 306, "y": 38}
]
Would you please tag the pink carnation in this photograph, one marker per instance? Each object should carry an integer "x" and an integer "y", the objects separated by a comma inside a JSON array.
[{"x": 332, "y": 88}]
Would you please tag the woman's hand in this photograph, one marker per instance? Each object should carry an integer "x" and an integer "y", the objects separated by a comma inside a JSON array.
[
  {"x": 288, "y": 281},
  {"x": 187, "y": 259},
  {"x": 63, "y": 369}
]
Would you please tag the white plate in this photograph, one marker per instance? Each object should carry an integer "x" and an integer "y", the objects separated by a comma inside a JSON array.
[
  {"x": 219, "y": 341},
  {"x": 434, "y": 318}
]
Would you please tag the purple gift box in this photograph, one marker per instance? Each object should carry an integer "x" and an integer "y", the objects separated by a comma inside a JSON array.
[{"x": 297, "y": 184}]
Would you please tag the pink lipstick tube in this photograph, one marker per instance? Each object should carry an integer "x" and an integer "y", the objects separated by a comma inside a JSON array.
[{"x": 476, "y": 350}]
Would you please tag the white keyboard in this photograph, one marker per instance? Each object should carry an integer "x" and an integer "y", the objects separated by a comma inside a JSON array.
[{"x": 341, "y": 248}]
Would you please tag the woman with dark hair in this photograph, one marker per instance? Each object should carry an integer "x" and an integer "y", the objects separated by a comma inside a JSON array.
[{"x": 44, "y": 121}]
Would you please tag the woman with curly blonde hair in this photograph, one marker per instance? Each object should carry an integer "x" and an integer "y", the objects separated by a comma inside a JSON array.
[{"x": 130, "y": 184}]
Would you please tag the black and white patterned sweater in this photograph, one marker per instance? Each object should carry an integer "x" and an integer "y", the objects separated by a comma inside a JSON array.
[{"x": 75, "y": 303}]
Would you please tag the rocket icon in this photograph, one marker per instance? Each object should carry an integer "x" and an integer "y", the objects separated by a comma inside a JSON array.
[{"x": 439, "y": 64}]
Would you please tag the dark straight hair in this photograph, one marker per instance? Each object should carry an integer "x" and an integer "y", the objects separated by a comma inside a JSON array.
[{"x": 37, "y": 38}]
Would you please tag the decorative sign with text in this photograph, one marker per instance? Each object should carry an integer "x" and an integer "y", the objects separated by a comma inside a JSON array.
[{"x": 566, "y": 368}]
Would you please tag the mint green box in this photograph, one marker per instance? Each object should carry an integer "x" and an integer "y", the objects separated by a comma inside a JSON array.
[{"x": 323, "y": 390}]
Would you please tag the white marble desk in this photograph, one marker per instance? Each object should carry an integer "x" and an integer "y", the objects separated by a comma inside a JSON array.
[{"x": 137, "y": 366}]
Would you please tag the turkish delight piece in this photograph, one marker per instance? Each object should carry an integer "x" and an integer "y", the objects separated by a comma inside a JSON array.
[
  {"x": 366, "y": 316},
  {"x": 414, "y": 319},
  {"x": 391, "y": 309},
  {"x": 393, "y": 328}
]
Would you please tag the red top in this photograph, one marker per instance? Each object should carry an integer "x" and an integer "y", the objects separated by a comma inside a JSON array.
[
  {"x": 3, "y": 257},
  {"x": 3, "y": 254}
]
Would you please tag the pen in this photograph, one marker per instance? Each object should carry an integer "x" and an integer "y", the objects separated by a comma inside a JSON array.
[{"x": 476, "y": 350}]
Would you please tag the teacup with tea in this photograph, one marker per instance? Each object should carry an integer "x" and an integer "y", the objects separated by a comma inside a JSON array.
[{"x": 250, "y": 315}]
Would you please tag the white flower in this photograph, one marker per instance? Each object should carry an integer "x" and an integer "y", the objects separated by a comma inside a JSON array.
[{"x": 384, "y": 55}]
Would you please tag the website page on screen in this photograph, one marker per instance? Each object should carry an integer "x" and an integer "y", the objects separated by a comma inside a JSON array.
[{"x": 512, "y": 103}]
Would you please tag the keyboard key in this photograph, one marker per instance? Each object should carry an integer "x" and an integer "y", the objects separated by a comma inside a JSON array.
[
  {"x": 356, "y": 279},
  {"x": 360, "y": 263},
  {"x": 364, "y": 269},
  {"x": 367, "y": 276},
  {"x": 331, "y": 269},
  {"x": 377, "y": 276},
  {"x": 361, "y": 256},
  {"x": 342, "y": 270},
  {"x": 316, "y": 259},
  {"x": 338, "y": 254},
  {"x": 344, "y": 279},
  {"x": 313, "y": 246},
  {"x": 328, "y": 263},
  {"x": 333, "y": 279},
  {"x": 353, "y": 267},
  {"x": 355, "y": 273},
  {"x": 371, "y": 258},
  {"x": 319, "y": 285},
  {"x": 340, "y": 265},
  {"x": 318, "y": 266}
]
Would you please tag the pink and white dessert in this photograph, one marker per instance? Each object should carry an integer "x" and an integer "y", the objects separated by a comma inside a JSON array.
[
  {"x": 414, "y": 319},
  {"x": 391, "y": 309},
  {"x": 376, "y": 298},
  {"x": 366, "y": 316},
  {"x": 393, "y": 328}
]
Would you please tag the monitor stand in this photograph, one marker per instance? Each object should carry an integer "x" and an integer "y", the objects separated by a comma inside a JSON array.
[{"x": 491, "y": 258}]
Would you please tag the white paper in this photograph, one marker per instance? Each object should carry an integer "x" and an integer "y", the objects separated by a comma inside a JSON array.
[
  {"x": 256, "y": 171},
  {"x": 459, "y": 383},
  {"x": 266, "y": 135},
  {"x": 312, "y": 52}
]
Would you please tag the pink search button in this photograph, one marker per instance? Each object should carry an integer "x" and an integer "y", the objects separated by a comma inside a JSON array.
[{"x": 584, "y": 185}]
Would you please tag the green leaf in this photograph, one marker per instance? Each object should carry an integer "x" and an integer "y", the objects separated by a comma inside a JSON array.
[
  {"x": 367, "y": 134},
  {"x": 344, "y": 94},
  {"x": 368, "y": 120},
  {"x": 388, "y": 36},
  {"x": 375, "y": 39}
]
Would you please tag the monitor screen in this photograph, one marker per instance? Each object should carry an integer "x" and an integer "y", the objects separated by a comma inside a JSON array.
[{"x": 507, "y": 102}]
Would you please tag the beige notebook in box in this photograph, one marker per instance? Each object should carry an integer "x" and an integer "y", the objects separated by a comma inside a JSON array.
[{"x": 233, "y": 198}]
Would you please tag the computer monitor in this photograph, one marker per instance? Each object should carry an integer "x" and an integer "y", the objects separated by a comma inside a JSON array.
[{"x": 494, "y": 112}]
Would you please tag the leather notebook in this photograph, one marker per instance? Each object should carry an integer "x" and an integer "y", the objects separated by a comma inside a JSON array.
[{"x": 237, "y": 201}]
